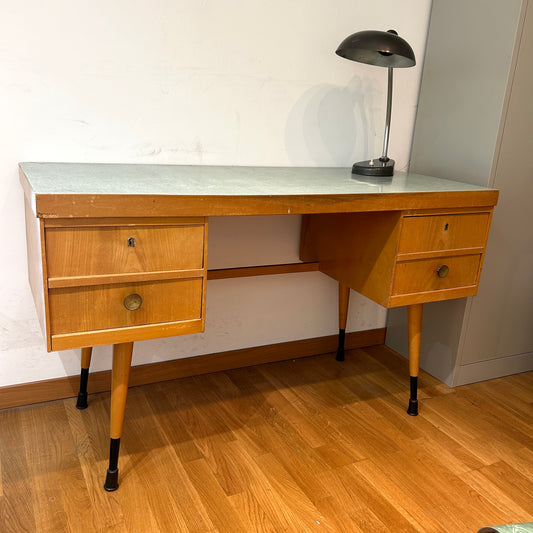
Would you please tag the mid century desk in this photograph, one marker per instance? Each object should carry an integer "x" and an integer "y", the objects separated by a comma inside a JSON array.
[{"x": 118, "y": 253}]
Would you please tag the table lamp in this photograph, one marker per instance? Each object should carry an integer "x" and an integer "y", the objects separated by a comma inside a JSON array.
[{"x": 383, "y": 49}]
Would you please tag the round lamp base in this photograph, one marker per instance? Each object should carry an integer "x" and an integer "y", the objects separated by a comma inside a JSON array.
[{"x": 374, "y": 167}]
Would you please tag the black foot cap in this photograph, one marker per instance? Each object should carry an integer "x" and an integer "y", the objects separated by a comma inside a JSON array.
[
  {"x": 340, "y": 346},
  {"x": 413, "y": 408},
  {"x": 82, "y": 401},
  {"x": 111, "y": 480}
]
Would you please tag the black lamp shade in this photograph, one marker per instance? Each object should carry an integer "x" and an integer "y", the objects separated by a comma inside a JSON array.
[{"x": 380, "y": 48}]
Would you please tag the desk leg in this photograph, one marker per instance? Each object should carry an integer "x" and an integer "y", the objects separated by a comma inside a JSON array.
[
  {"x": 414, "y": 325},
  {"x": 344, "y": 300},
  {"x": 119, "y": 390},
  {"x": 84, "y": 377}
]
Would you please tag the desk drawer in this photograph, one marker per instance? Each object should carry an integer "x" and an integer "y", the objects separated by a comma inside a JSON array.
[
  {"x": 443, "y": 232},
  {"x": 92, "y": 251},
  {"x": 423, "y": 276},
  {"x": 100, "y": 307}
]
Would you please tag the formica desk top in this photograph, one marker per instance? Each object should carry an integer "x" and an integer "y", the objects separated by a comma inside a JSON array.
[{"x": 90, "y": 189}]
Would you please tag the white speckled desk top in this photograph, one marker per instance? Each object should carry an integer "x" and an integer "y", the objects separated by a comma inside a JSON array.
[
  {"x": 58, "y": 190},
  {"x": 89, "y": 178}
]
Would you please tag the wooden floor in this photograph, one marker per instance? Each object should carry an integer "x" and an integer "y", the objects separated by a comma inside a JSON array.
[{"x": 297, "y": 446}]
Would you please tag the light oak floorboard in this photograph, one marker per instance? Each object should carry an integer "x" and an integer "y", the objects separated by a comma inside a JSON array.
[{"x": 304, "y": 445}]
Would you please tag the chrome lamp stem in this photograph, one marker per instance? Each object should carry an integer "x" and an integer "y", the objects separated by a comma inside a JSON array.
[{"x": 387, "y": 119}]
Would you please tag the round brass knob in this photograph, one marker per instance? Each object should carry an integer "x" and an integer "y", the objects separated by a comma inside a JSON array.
[
  {"x": 133, "y": 302},
  {"x": 443, "y": 271}
]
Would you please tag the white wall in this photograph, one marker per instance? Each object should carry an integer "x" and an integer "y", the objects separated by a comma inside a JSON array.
[{"x": 198, "y": 82}]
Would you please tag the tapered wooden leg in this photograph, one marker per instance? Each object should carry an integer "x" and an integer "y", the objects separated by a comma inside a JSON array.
[
  {"x": 119, "y": 391},
  {"x": 344, "y": 300},
  {"x": 414, "y": 326},
  {"x": 84, "y": 377}
]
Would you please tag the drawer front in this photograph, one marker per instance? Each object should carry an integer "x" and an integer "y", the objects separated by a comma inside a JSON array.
[
  {"x": 443, "y": 232},
  {"x": 101, "y": 307},
  {"x": 423, "y": 276},
  {"x": 87, "y": 251}
]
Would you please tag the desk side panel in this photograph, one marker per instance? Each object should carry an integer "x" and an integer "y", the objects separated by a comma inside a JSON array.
[
  {"x": 356, "y": 249},
  {"x": 37, "y": 267}
]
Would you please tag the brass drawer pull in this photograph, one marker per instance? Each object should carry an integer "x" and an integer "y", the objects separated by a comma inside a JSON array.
[
  {"x": 133, "y": 301},
  {"x": 443, "y": 271}
]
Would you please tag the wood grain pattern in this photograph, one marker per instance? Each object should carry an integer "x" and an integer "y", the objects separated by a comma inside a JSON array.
[
  {"x": 93, "y": 251},
  {"x": 421, "y": 276},
  {"x": 86, "y": 355},
  {"x": 100, "y": 307},
  {"x": 356, "y": 249},
  {"x": 137, "y": 205},
  {"x": 120, "y": 377},
  {"x": 112, "y": 279},
  {"x": 263, "y": 270},
  {"x": 344, "y": 302},
  {"x": 414, "y": 321},
  {"x": 83, "y": 339},
  {"x": 89, "y": 266},
  {"x": 392, "y": 257},
  {"x": 443, "y": 232},
  {"x": 397, "y": 300},
  {"x": 122, "y": 221},
  {"x": 302, "y": 445}
]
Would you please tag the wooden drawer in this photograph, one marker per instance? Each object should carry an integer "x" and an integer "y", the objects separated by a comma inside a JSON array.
[
  {"x": 100, "y": 307},
  {"x": 421, "y": 276},
  {"x": 107, "y": 250},
  {"x": 392, "y": 257},
  {"x": 443, "y": 232}
]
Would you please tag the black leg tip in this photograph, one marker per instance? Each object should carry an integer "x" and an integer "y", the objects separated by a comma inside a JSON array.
[
  {"x": 340, "y": 346},
  {"x": 111, "y": 480},
  {"x": 82, "y": 401},
  {"x": 413, "y": 408}
]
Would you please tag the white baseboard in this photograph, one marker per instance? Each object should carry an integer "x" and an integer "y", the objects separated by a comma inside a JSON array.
[{"x": 494, "y": 368}]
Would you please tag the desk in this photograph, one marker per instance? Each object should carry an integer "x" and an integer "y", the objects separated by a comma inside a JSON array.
[{"x": 118, "y": 253}]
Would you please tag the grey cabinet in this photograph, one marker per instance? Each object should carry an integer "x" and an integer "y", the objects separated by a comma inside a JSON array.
[{"x": 475, "y": 124}]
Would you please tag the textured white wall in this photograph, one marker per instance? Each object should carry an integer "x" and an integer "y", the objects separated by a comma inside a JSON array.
[{"x": 204, "y": 82}]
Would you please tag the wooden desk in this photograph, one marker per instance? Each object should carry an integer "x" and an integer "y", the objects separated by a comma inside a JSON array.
[{"x": 118, "y": 253}]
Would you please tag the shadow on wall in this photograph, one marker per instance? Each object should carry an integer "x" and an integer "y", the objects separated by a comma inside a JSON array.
[{"x": 330, "y": 125}]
